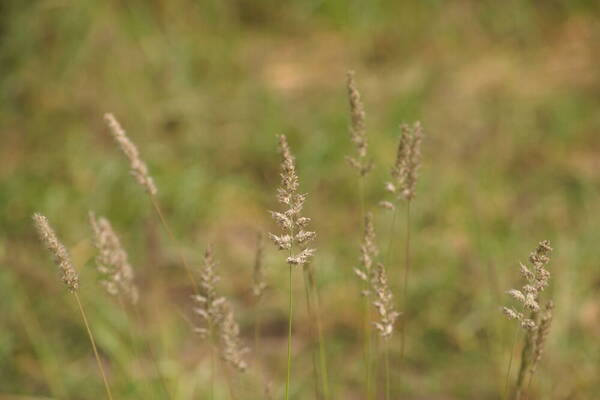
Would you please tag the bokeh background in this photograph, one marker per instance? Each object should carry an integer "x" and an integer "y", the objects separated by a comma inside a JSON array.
[{"x": 508, "y": 93}]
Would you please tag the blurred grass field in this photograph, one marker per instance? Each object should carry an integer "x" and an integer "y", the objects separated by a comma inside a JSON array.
[{"x": 508, "y": 93}]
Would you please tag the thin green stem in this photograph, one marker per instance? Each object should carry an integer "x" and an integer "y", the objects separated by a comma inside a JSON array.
[
  {"x": 405, "y": 283},
  {"x": 510, "y": 360},
  {"x": 289, "y": 345},
  {"x": 310, "y": 312},
  {"x": 387, "y": 369},
  {"x": 392, "y": 230},
  {"x": 367, "y": 328},
  {"x": 161, "y": 377},
  {"x": 171, "y": 236},
  {"x": 93, "y": 342}
]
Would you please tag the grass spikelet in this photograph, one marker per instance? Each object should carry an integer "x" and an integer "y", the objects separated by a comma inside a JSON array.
[
  {"x": 70, "y": 278},
  {"x": 259, "y": 285},
  {"x": 293, "y": 238},
  {"x": 208, "y": 304},
  {"x": 232, "y": 349},
  {"x": 529, "y": 315},
  {"x": 59, "y": 252},
  {"x": 112, "y": 263},
  {"x": 358, "y": 132},
  {"x": 137, "y": 166}
]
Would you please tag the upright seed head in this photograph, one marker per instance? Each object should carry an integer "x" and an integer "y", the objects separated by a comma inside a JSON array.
[
  {"x": 542, "y": 334},
  {"x": 408, "y": 160},
  {"x": 536, "y": 280},
  {"x": 384, "y": 303},
  {"x": 112, "y": 262},
  {"x": 208, "y": 304},
  {"x": 358, "y": 132},
  {"x": 138, "y": 168},
  {"x": 290, "y": 220},
  {"x": 368, "y": 252},
  {"x": 59, "y": 252},
  {"x": 232, "y": 348}
]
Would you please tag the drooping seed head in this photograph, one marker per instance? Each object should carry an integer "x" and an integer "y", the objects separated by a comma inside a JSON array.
[{"x": 59, "y": 252}]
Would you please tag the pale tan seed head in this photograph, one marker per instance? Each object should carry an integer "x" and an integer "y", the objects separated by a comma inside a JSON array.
[
  {"x": 112, "y": 262},
  {"x": 536, "y": 278},
  {"x": 292, "y": 224},
  {"x": 408, "y": 160},
  {"x": 358, "y": 132},
  {"x": 59, "y": 252},
  {"x": 137, "y": 166},
  {"x": 542, "y": 334},
  {"x": 368, "y": 253},
  {"x": 208, "y": 304},
  {"x": 384, "y": 303},
  {"x": 232, "y": 349}
]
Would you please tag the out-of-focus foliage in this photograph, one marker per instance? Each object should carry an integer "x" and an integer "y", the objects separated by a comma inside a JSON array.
[{"x": 508, "y": 93}]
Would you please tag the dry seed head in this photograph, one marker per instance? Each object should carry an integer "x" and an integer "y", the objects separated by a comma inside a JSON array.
[
  {"x": 59, "y": 252},
  {"x": 384, "y": 303},
  {"x": 138, "y": 168},
  {"x": 408, "y": 160},
  {"x": 289, "y": 220},
  {"x": 536, "y": 280},
  {"x": 232, "y": 349},
  {"x": 259, "y": 284},
  {"x": 208, "y": 304},
  {"x": 112, "y": 263},
  {"x": 542, "y": 334},
  {"x": 358, "y": 133},
  {"x": 368, "y": 252}
]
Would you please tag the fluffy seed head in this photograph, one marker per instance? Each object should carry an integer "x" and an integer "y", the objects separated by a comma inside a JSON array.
[
  {"x": 368, "y": 253},
  {"x": 112, "y": 263},
  {"x": 289, "y": 219},
  {"x": 536, "y": 278},
  {"x": 384, "y": 303},
  {"x": 208, "y": 304},
  {"x": 138, "y": 168},
  {"x": 408, "y": 160},
  {"x": 59, "y": 252},
  {"x": 542, "y": 334},
  {"x": 232, "y": 349},
  {"x": 358, "y": 133}
]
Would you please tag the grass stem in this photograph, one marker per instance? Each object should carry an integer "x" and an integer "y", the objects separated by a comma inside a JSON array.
[{"x": 93, "y": 342}]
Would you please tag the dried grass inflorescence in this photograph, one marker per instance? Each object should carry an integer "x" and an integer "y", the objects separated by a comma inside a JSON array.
[
  {"x": 358, "y": 132},
  {"x": 232, "y": 348},
  {"x": 290, "y": 220},
  {"x": 536, "y": 278},
  {"x": 542, "y": 334},
  {"x": 384, "y": 303},
  {"x": 138, "y": 168},
  {"x": 405, "y": 169},
  {"x": 117, "y": 275},
  {"x": 259, "y": 285},
  {"x": 59, "y": 252},
  {"x": 368, "y": 253},
  {"x": 208, "y": 303}
]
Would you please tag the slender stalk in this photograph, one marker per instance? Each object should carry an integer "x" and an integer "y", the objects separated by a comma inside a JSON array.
[
  {"x": 93, "y": 342},
  {"x": 167, "y": 228},
  {"x": 392, "y": 231},
  {"x": 311, "y": 316},
  {"x": 367, "y": 308},
  {"x": 405, "y": 283},
  {"x": 212, "y": 370},
  {"x": 289, "y": 345},
  {"x": 387, "y": 369},
  {"x": 153, "y": 357},
  {"x": 510, "y": 360},
  {"x": 322, "y": 352}
]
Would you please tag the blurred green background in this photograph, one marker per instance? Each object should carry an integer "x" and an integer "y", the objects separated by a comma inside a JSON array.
[{"x": 508, "y": 93}]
